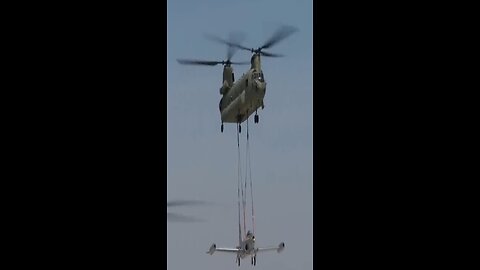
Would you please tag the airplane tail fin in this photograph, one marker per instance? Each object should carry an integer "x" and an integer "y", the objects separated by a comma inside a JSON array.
[
  {"x": 281, "y": 246},
  {"x": 212, "y": 249}
]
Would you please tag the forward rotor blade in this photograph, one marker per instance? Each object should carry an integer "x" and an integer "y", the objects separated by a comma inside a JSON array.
[
  {"x": 198, "y": 62},
  {"x": 271, "y": 54},
  {"x": 282, "y": 33},
  {"x": 230, "y": 52},
  {"x": 209, "y": 63}
]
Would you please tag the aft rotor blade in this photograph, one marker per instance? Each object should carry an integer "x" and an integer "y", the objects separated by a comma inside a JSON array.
[
  {"x": 239, "y": 63},
  {"x": 237, "y": 38},
  {"x": 282, "y": 33},
  {"x": 198, "y": 62},
  {"x": 231, "y": 43},
  {"x": 271, "y": 54}
]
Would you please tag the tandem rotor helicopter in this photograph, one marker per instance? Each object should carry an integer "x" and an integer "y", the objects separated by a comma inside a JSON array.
[{"x": 243, "y": 97}]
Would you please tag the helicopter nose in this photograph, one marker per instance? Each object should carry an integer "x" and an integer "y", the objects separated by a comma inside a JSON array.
[{"x": 260, "y": 85}]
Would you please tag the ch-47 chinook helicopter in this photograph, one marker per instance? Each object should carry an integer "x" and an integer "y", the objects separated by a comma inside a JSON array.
[{"x": 242, "y": 98}]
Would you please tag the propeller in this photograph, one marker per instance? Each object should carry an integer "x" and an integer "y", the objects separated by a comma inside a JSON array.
[
  {"x": 279, "y": 35},
  {"x": 234, "y": 38}
]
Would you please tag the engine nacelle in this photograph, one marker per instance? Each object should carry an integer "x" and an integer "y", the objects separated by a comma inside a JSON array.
[
  {"x": 212, "y": 249},
  {"x": 281, "y": 246}
]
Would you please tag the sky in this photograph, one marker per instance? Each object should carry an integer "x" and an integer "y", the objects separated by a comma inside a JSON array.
[{"x": 202, "y": 161}]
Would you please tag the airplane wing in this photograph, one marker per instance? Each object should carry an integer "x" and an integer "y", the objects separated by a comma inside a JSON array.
[
  {"x": 279, "y": 248},
  {"x": 227, "y": 249},
  {"x": 214, "y": 248}
]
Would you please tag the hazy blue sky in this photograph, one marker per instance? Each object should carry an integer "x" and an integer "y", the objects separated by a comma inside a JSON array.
[{"x": 202, "y": 162}]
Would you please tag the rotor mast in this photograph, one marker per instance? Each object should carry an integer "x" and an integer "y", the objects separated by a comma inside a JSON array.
[
  {"x": 227, "y": 76},
  {"x": 255, "y": 62}
]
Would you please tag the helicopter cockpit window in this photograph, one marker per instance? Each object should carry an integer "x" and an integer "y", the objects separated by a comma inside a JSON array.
[{"x": 258, "y": 76}]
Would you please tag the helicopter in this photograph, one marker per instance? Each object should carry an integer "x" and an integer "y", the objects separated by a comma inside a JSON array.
[{"x": 243, "y": 97}]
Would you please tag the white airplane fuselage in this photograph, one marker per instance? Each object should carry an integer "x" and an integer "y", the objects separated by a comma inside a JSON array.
[{"x": 247, "y": 248}]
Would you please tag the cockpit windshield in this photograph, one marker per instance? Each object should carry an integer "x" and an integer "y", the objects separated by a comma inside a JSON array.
[{"x": 258, "y": 76}]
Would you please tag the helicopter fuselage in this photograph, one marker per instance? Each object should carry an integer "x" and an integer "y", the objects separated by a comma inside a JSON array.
[{"x": 243, "y": 97}]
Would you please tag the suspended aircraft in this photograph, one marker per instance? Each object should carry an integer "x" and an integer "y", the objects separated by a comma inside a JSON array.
[
  {"x": 246, "y": 247},
  {"x": 242, "y": 98}
]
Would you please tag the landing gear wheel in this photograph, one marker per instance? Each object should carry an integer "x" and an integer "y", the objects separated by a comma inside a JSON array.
[
  {"x": 239, "y": 129},
  {"x": 238, "y": 261},
  {"x": 221, "y": 128},
  {"x": 254, "y": 260},
  {"x": 255, "y": 118}
]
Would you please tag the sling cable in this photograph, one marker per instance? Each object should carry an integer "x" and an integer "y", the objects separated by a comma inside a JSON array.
[{"x": 242, "y": 183}]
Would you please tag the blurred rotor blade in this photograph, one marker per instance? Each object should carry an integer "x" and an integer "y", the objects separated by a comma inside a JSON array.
[
  {"x": 185, "y": 202},
  {"x": 234, "y": 38},
  {"x": 271, "y": 54},
  {"x": 198, "y": 62},
  {"x": 231, "y": 43},
  {"x": 281, "y": 33},
  {"x": 240, "y": 63},
  {"x": 181, "y": 218},
  {"x": 230, "y": 52}
]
